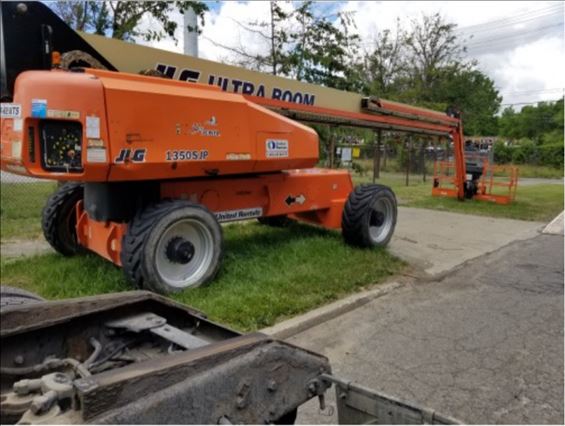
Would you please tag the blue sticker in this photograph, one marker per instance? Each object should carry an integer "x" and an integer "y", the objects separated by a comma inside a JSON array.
[{"x": 39, "y": 108}]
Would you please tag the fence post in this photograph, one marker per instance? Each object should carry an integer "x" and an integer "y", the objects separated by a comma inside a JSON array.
[
  {"x": 332, "y": 147},
  {"x": 377, "y": 157},
  {"x": 385, "y": 155},
  {"x": 409, "y": 158},
  {"x": 423, "y": 159}
]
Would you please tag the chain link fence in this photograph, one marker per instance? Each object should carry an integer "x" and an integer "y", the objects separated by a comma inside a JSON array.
[
  {"x": 412, "y": 157},
  {"x": 21, "y": 201}
]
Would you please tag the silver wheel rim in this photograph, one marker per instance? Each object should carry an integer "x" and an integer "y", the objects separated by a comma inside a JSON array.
[
  {"x": 380, "y": 220},
  {"x": 184, "y": 275}
]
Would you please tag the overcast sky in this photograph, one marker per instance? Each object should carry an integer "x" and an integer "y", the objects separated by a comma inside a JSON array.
[{"x": 520, "y": 45}]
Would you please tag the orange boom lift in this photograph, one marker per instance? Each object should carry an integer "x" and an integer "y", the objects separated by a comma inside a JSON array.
[{"x": 155, "y": 165}]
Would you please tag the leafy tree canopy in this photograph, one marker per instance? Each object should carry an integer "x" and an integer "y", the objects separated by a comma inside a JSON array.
[{"x": 122, "y": 19}]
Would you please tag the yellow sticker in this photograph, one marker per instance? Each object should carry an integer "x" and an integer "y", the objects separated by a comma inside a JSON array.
[
  {"x": 58, "y": 113},
  {"x": 95, "y": 143},
  {"x": 356, "y": 152},
  {"x": 238, "y": 156}
]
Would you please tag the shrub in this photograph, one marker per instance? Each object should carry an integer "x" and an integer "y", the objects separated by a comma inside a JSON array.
[
  {"x": 552, "y": 155},
  {"x": 554, "y": 137},
  {"x": 502, "y": 153},
  {"x": 525, "y": 152}
]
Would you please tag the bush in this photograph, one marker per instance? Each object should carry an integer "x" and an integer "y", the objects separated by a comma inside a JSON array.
[
  {"x": 502, "y": 153},
  {"x": 554, "y": 137},
  {"x": 552, "y": 155},
  {"x": 525, "y": 152}
]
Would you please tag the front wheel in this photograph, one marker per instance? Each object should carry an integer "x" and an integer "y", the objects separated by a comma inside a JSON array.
[
  {"x": 369, "y": 216},
  {"x": 172, "y": 246}
]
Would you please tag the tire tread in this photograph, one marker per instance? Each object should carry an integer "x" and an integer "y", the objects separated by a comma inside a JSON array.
[
  {"x": 68, "y": 193},
  {"x": 358, "y": 203}
]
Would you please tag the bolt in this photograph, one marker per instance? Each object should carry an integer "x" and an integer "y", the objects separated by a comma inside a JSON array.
[
  {"x": 43, "y": 403},
  {"x": 21, "y": 387},
  {"x": 21, "y": 8},
  {"x": 60, "y": 378},
  {"x": 19, "y": 360},
  {"x": 272, "y": 385}
]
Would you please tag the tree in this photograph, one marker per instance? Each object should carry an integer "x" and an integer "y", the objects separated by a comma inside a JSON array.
[
  {"x": 432, "y": 48},
  {"x": 273, "y": 36},
  {"x": 78, "y": 15},
  {"x": 541, "y": 123},
  {"x": 382, "y": 67},
  {"x": 121, "y": 19},
  {"x": 474, "y": 94},
  {"x": 301, "y": 44},
  {"x": 323, "y": 49}
]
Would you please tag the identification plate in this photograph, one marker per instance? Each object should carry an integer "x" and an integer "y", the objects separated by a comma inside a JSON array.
[{"x": 10, "y": 110}]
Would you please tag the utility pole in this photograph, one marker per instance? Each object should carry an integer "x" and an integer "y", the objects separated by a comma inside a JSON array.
[
  {"x": 273, "y": 42},
  {"x": 190, "y": 32}
]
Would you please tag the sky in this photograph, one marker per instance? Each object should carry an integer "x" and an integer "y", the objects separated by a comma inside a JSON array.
[{"x": 518, "y": 44}]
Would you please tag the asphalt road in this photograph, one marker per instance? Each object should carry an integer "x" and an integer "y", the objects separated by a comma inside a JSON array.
[{"x": 484, "y": 344}]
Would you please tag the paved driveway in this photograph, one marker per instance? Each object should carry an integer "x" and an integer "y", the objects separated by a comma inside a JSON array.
[{"x": 484, "y": 345}]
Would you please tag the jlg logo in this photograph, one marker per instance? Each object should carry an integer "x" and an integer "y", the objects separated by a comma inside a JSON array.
[{"x": 135, "y": 156}]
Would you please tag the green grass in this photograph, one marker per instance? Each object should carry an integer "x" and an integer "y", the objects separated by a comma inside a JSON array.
[
  {"x": 541, "y": 202},
  {"x": 20, "y": 209},
  {"x": 268, "y": 274},
  {"x": 546, "y": 172},
  {"x": 524, "y": 170}
]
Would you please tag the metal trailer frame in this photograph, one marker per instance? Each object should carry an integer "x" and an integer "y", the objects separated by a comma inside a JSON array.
[{"x": 215, "y": 376}]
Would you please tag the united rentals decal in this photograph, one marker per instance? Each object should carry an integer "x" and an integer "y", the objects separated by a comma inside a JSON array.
[{"x": 243, "y": 214}]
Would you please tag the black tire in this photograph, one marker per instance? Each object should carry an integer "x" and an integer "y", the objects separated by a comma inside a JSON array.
[
  {"x": 13, "y": 296},
  {"x": 369, "y": 216},
  {"x": 281, "y": 221},
  {"x": 145, "y": 255},
  {"x": 59, "y": 220}
]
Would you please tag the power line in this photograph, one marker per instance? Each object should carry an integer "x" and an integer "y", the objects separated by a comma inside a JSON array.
[
  {"x": 502, "y": 28},
  {"x": 533, "y": 91},
  {"x": 509, "y": 20},
  {"x": 496, "y": 40},
  {"x": 531, "y": 103}
]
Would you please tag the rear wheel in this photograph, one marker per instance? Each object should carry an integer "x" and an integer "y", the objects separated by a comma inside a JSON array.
[
  {"x": 172, "y": 246},
  {"x": 369, "y": 216},
  {"x": 59, "y": 219}
]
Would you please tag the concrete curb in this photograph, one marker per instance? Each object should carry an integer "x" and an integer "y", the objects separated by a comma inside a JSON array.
[
  {"x": 320, "y": 315},
  {"x": 555, "y": 226}
]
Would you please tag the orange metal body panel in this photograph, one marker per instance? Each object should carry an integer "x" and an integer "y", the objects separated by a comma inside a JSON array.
[
  {"x": 290, "y": 192},
  {"x": 184, "y": 130},
  {"x": 103, "y": 238},
  {"x": 311, "y": 195},
  {"x": 64, "y": 92}
]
